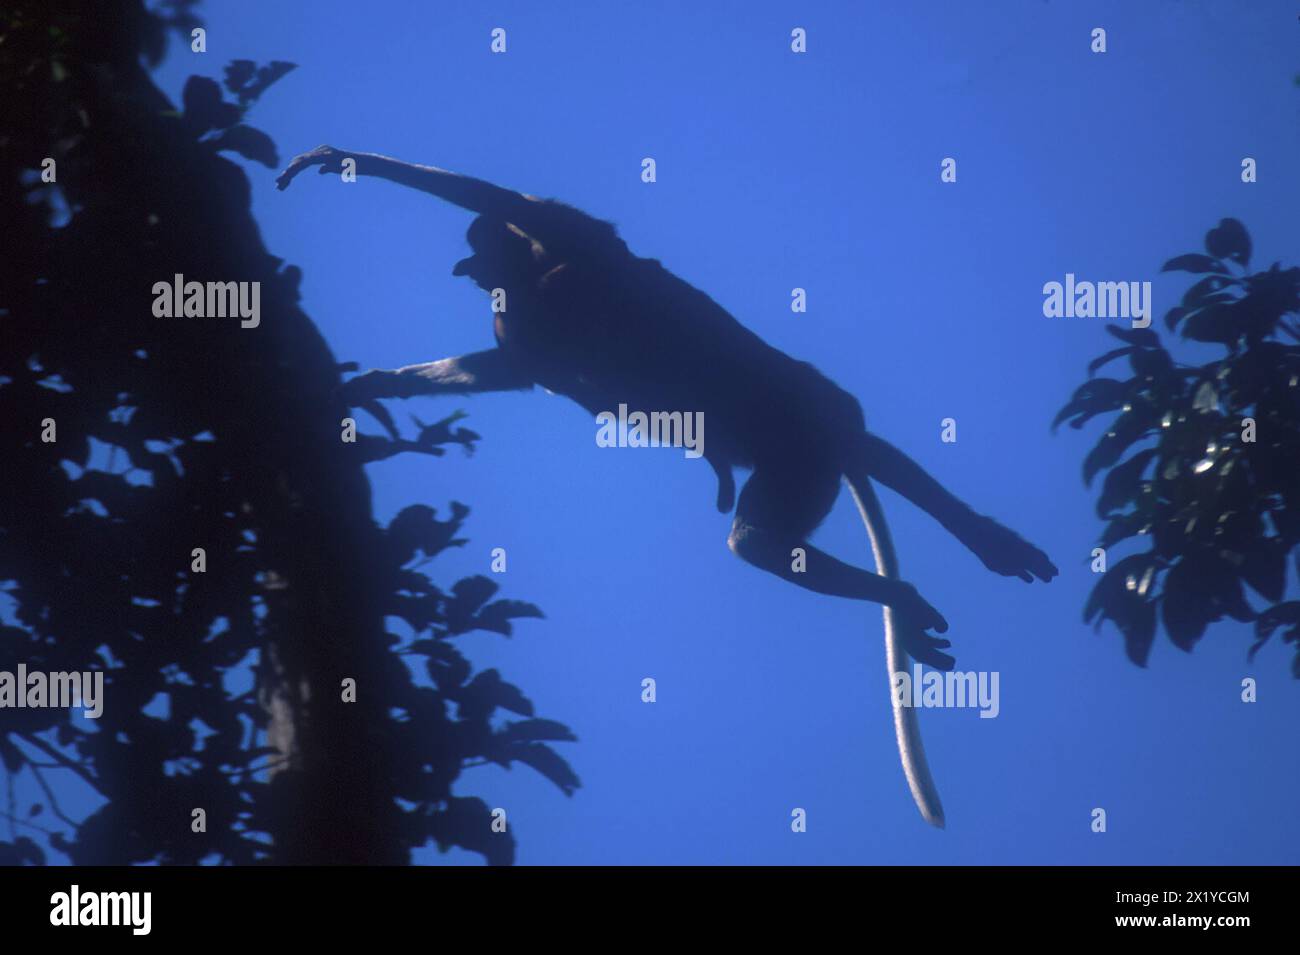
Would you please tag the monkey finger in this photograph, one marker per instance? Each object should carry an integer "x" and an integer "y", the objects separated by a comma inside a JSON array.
[
  {"x": 933, "y": 658},
  {"x": 356, "y": 391},
  {"x": 926, "y": 617},
  {"x": 300, "y": 162},
  {"x": 918, "y": 611},
  {"x": 931, "y": 619},
  {"x": 282, "y": 181},
  {"x": 296, "y": 165}
]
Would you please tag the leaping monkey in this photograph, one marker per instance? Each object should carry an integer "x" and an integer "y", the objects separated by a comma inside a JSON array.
[{"x": 588, "y": 319}]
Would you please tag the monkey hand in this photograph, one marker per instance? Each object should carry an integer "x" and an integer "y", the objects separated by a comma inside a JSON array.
[
  {"x": 912, "y": 617},
  {"x": 909, "y": 606},
  {"x": 327, "y": 157},
  {"x": 376, "y": 383},
  {"x": 924, "y": 648},
  {"x": 1005, "y": 552}
]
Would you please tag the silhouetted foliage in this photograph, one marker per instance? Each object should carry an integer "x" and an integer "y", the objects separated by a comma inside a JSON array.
[
  {"x": 1215, "y": 497},
  {"x": 222, "y": 687}
]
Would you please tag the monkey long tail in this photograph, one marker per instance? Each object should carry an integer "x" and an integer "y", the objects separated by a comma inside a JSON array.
[{"x": 907, "y": 727}]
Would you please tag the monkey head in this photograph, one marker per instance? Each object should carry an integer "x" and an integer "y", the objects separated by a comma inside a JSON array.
[{"x": 504, "y": 255}]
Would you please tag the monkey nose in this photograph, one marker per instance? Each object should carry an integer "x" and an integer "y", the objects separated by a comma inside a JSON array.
[{"x": 462, "y": 267}]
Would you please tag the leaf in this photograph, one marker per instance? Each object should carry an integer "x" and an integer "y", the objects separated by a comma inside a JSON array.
[
  {"x": 1229, "y": 240},
  {"x": 238, "y": 73},
  {"x": 1095, "y": 396},
  {"x": 445, "y": 665},
  {"x": 250, "y": 143},
  {"x": 1206, "y": 398},
  {"x": 1265, "y": 569},
  {"x": 1186, "y": 607},
  {"x": 1120, "y": 597},
  {"x": 1212, "y": 324},
  {"x": 1113, "y": 585},
  {"x": 1231, "y": 598},
  {"x": 1139, "y": 631},
  {"x": 488, "y": 691},
  {"x": 1096, "y": 363},
  {"x": 1135, "y": 336},
  {"x": 470, "y": 593},
  {"x": 1123, "y": 483},
  {"x": 247, "y": 81},
  {"x": 1122, "y": 527},
  {"x": 416, "y": 529},
  {"x": 267, "y": 75},
  {"x": 549, "y": 763},
  {"x": 442, "y": 432},
  {"x": 496, "y": 616},
  {"x": 1193, "y": 262},
  {"x": 11, "y": 756},
  {"x": 533, "y": 731},
  {"x": 1204, "y": 292},
  {"x": 1129, "y": 427},
  {"x": 375, "y": 408},
  {"x": 1280, "y": 615},
  {"x": 467, "y": 823},
  {"x": 21, "y": 851},
  {"x": 204, "y": 108},
  {"x": 1151, "y": 362}
]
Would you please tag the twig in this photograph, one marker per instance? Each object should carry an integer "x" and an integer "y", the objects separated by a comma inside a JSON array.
[
  {"x": 49, "y": 795},
  {"x": 23, "y": 822},
  {"x": 59, "y": 758}
]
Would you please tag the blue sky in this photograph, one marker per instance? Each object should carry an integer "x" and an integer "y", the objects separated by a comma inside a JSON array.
[{"x": 821, "y": 171}]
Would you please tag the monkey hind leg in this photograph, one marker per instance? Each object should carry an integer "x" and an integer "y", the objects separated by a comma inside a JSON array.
[{"x": 777, "y": 510}]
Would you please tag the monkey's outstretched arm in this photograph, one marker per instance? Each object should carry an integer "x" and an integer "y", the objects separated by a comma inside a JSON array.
[
  {"x": 467, "y": 192},
  {"x": 480, "y": 371}
]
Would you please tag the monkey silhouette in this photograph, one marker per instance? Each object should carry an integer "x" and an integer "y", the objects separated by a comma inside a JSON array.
[{"x": 586, "y": 318}]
